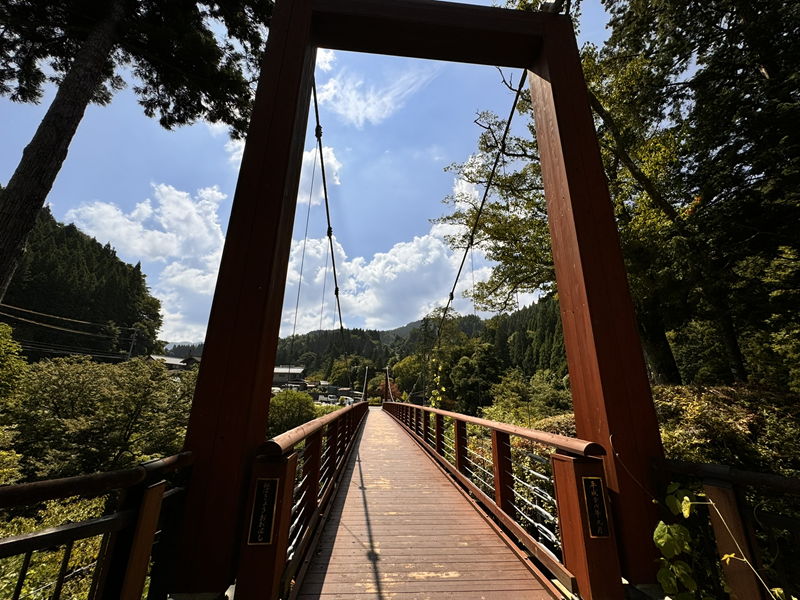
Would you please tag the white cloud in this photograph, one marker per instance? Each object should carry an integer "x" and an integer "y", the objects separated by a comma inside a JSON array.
[
  {"x": 310, "y": 170},
  {"x": 217, "y": 129},
  {"x": 389, "y": 290},
  {"x": 355, "y": 102},
  {"x": 325, "y": 59},
  {"x": 235, "y": 150},
  {"x": 178, "y": 230}
]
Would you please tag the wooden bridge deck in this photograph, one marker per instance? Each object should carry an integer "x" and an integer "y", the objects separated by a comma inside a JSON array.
[{"x": 400, "y": 529}]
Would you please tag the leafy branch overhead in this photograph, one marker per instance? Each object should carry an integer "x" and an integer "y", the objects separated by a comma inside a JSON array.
[
  {"x": 695, "y": 107},
  {"x": 189, "y": 61}
]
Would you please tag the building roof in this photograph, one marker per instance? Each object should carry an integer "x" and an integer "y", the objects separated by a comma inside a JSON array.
[
  {"x": 172, "y": 361},
  {"x": 291, "y": 370}
]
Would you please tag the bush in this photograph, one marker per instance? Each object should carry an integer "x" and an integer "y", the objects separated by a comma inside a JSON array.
[
  {"x": 743, "y": 426},
  {"x": 73, "y": 416},
  {"x": 288, "y": 410}
]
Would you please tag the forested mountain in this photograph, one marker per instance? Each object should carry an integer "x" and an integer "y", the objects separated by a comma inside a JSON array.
[
  {"x": 473, "y": 354},
  {"x": 72, "y": 295},
  {"x": 183, "y": 350}
]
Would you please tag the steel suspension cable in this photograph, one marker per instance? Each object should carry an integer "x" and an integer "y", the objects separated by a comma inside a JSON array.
[
  {"x": 471, "y": 239},
  {"x": 303, "y": 256},
  {"x": 318, "y": 134}
]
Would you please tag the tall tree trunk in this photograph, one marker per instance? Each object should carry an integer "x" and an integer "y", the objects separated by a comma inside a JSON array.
[
  {"x": 41, "y": 161},
  {"x": 731, "y": 343},
  {"x": 657, "y": 351}
]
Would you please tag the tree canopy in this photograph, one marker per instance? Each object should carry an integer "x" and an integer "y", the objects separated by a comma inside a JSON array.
[
  {"x": 696, "y": 109},
  {"x": 73, "y": 294},
  {"x": 189, "y": 60}
]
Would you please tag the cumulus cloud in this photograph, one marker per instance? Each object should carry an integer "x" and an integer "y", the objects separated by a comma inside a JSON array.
[
  {"x": 325, "y": 59},
  {"x": 235, "y": 150},
  {"x": 310, "y": 170},
  {"x": 357, "y": 102},
  {"x": 388, "y": 290},
  {"x": 174, "y": 229}
]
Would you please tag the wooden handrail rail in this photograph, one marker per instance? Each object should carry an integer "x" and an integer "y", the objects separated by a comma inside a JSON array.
[
  {"x": 567, "y": 444},
  {"x": 776, "y": 483},
  {"x": 283, "y": 443},
  {"x": 90, "y": 485}
]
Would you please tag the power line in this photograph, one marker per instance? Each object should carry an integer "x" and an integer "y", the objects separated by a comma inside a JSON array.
[
  {"x": 75, "y": 331},
  {"x": 41, "y": 314},
  {"x": 27, "y": 348},
  {"x": 54, "y": 346}
]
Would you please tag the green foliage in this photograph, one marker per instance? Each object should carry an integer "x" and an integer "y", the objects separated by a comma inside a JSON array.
[
  {"x": 526, "y": 401},
  {"x": 66, "y": 273},
  {"x": 681, "y": 579},
  {"x": 74, "y": 416},
  {"x": 289, "y": 409},
  {"x": 12, "y": 365},
  {"x": 746, "y": 427},
  {"x": 184, "y": 350},
  {"x": 9, "y": 459},
  {"x": 192, "y": 60},
  {"x": 320, "y": 410},
  {"x": 44, "y": 567}
]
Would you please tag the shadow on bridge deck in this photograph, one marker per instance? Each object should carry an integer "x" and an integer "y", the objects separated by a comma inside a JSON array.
[{"x": 400, "y": 529}]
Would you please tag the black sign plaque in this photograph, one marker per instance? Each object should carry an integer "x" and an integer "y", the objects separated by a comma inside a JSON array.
[
  {"x": 596, "y": 507},
  {"x": 262, "y": 520}
]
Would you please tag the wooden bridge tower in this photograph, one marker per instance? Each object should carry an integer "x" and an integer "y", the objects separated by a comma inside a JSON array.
[{"x": 611, "y": 393}]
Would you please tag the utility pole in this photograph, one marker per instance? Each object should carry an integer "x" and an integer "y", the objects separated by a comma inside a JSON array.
[{"x": 133, "y": 343}]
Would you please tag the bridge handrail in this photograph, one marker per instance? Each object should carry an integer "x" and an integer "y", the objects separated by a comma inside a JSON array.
[
  {"x": 740, "y": 524},
  {"x": 293, "y": 480},
  {"x": 285, "y": 442},
  {"x": 775, "y": 483},
  {"x": 95, "y": 484},
  {"x": 128, "y": 533},
  {"x": 570, "y": 445},
  {"x": 555, "y": 504}
]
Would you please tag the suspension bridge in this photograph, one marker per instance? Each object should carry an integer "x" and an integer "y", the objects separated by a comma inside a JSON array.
[{"x": 401, "y": 501}]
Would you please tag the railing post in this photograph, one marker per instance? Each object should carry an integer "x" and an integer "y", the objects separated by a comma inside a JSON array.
[
  {"x": 439, "y": 435},
  {"x": 333, "y": 444},
  {"x": 460, "y": 441},
  {"x": 503, "y": 469},
  {"x": 113, "y": 575},
  {"x": 145, "y": 533},
  {"x": 265, "y": 538},
  {"x": 587, "y": 533},
  {"x": 426, "y": 425},
  {"x": 741, "y": 579},
  {"x": 416, "y": 420},
  {"x": 311, "y": 473}
]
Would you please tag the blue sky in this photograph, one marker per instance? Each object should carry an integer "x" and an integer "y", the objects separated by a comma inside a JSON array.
[{"x": 390, "y": 126}]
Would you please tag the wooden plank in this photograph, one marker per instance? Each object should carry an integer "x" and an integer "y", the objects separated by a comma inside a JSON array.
[
  {"x": 503, "y": 469},
  {"x": 460, "y": 595},
  {"x": 261, "y": 562},
  {"x": 731, "y": 535},
  {"x": 426, "y": 550},
  {"x": 589, "y": 553},
  {"x": 142, "y": 546},
  {"x": 610, "y": 390},
  {"x": 498, "y": 565}
]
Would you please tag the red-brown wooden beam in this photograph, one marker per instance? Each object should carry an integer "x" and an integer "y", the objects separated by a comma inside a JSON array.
[
  {"x": 231, "y": 404},
  {"x": 610, "y": 389}
]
